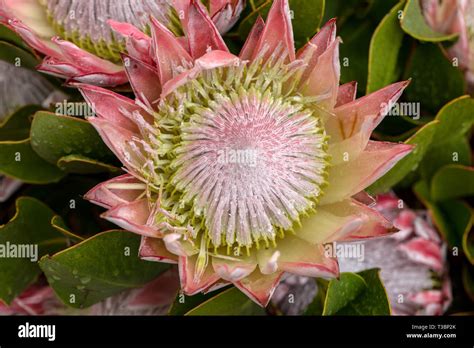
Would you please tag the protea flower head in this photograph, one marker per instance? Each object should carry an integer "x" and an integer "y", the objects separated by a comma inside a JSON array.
[
  {"x": 79, "y": 38},
  {"x": 412, "y": 263},
  {"x": 455, "y": 17},
  {"x": 18, "y": 87},
  {"x": 241, "y": 168}
]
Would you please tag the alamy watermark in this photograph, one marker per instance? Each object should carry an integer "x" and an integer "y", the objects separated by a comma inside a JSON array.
[
  {"x": 345, "y": 250},
  {"x": 74, "y": 109},
  {"x": 247, "y": 157},
  {"x": 409, "y": 109},
  {"x": 20, "y": 251}
]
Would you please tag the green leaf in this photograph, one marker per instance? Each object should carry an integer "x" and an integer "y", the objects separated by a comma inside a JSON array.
[
  {"x": 316, "y": 307},
  {"x": 414, "y": 24},
  {"x": 456, "y": 119},
  {"x": 341, "y": 292},
  {"x": 99, "y": 267},
  {"x": 468, "y": 282},
  {"x": 66, "y": 199},
  {"x": 83, "y": 165},
  {"x": 307, "y": 17},
  {"x": 451, "y": 182},
  {"x": 455, "y": 151},
  {"x": 229, "y": 302},
  {"x": 452, "y": 217},
  {"x": 383, "y": 53},
  {"x": 354, "y": 53},
  {"x": 468, "y": 242},
  {"x": 422, "y": 139},
  {"x": 16, "y": 126},
  {"x": 18, "y": 160},
  {"x": 29, "y": 228},
  {"x": 55, "y": 136},
  {"x": 59, "y": 225},
  {"x": 183, "y": 304},
  {"x": 435, "y": 81},
  {"x": 8, "y": 35},
  {"x": 357, "y": 294},
  {"x": 17, "y": 56}
]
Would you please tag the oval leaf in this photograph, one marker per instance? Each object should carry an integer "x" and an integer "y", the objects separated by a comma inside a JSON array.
[
  {"x": 82, "y": 165},
  {"x": 435, "y": 81},
  {"x": 414, "y": 24},
  {"x": 451, "y": 182},
  {"x": 19, "y": 161},
  {"x": 422, "y": 139},
  {"x": 56, "y": 136},
  {"x": 17, "y": 125},
  {"x": 357, "y": 294},
  {"x": 23, "y": 240},
  {"x": 453, "y": 218},
  {"x": 99, "y": 267},
  {"x": 229, "y": 302},
  {"x": 383, "y": 53}
]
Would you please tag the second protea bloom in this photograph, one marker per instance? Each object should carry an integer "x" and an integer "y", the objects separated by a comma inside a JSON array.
[
  {"x": 241, "y": 168},
  {"x": 80, "y": 45},
  {"x": 413, "y": 261},
  {"x": 455, "y": 17}
]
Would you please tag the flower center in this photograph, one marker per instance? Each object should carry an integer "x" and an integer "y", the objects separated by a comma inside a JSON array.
[
  {"x": 84, "y": 22},
  {"x": 239, "y": 157}
]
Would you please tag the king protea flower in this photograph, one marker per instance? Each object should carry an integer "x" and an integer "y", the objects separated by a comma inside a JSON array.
[
  {"x": 455, "y": 17},
  {"x": 241, "y": 168},
  {"x": 413, "y": 261},
  {"x": 78, "y": 36}
]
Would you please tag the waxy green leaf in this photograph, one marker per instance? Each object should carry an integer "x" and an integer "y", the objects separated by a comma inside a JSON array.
[
  {"x": 183, "y": 304},
  {"x": 435, "y": 81},
  {"x": 357, "y": 294},
  {"x": 99, "y": 267},
  {"x": 422, "y": 140},
  {"x": 71, "y": 143},
  {"x": 413, "y": 23},
  {"x": 17, "y": 125},
  {"x": 451, "y": 182},
  {"x": 383, "y": 53},
  {"x": 456, "y": 119},
  {"x": 229, "y": 302},
  {"x": 18, "y": 160},
  {"x": 452, "y": 217},
  {"x": 17, "y": 56},
  {"x": 30, "y": 235}
]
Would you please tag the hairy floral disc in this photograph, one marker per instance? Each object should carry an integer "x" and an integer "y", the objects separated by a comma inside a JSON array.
[
  {"x": 238, "y": 155},
  {"x": 85, "y": 22}
]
